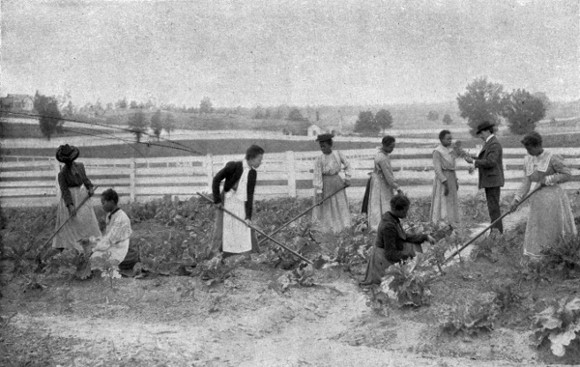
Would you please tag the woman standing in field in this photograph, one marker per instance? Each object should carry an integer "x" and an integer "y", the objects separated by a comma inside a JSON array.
[
  {"x": 444, "y": 203},
  {"x": 232, "y": 236},
  {"x": 333, "y": 215},
  {"x": 550, "y": 215},
  {"x": 75, "y": 187},
  {"x": 382, "y": 184}
]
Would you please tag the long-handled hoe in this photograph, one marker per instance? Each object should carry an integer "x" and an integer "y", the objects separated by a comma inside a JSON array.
[
  {"x": 301, "y": 215},
  {"x": 47, "y": 242},
  {"x": 316, "y": 265},
  {"x": 491, "y": 225}
]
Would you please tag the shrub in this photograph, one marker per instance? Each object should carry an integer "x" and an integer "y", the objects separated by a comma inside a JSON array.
[{"x": 559, "y": 325}]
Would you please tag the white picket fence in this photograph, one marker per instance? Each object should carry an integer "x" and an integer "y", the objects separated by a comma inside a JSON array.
[{"x": 30, "y": 183}]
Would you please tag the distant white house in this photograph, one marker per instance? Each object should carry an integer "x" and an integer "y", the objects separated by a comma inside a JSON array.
[
  {"x": 17, "y": 102},
  {"x": 313, "y": 130}
]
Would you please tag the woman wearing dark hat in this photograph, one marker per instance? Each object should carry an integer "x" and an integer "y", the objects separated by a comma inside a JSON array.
[
  {"x": 382, "y": 184},
  {"x": 550, "y": 215},
  {"x": 74, "y": 188},
  {"x": 333, "y": 215}
]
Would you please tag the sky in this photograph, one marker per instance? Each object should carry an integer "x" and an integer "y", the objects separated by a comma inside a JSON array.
[{"x": 309, "y": 52}]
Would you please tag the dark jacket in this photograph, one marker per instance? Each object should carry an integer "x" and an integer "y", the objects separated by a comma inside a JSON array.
[
  {"x": 391, "y": 237},
  {"x": 232, "y": 173},
  {"x": 489, "y": 162}
]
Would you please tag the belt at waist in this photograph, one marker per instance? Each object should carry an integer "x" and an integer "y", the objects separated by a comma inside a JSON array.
[{"x": 330, "y": 174}]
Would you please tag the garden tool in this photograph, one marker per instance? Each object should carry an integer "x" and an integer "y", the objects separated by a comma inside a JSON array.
[
  {"x": 83, "y": 202},
  {"x": 491, "y": 225},
  {"x": 301, "y": 214},
  {"x": 259, "y": 231}
]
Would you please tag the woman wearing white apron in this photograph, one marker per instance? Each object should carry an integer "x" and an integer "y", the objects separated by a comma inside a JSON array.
[{"x": 232, "y": 236}]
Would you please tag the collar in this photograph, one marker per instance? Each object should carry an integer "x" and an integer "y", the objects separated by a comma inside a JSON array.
[
  {"x": 397, "y": 219},
  {"x": 489, "y": 138},
  {"x": 113, "y": 212},
  {"x": 246, "y": 165},
  {"x": 537, "y": 163}
]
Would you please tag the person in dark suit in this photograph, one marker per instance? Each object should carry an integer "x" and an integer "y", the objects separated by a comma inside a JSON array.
[
  {"x": 392, "y": 244},
  {"x": 490, "y": 167},
  {"x": 232, "y": 236}
]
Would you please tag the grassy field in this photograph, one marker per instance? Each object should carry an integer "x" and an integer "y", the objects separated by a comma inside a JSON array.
[
  {"x": 201, "y": 147},
  {"x": 27, "y": 131},
  {"x": 239, "y": 146}
]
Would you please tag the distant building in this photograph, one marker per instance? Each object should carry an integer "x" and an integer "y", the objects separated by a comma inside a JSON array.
[
  {"x": 297, "y": 128},
  {"x": 17, "y": 102},
  {"x": 313, "y": 130}
]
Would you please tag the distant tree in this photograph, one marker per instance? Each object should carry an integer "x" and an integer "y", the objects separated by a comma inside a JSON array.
[
  {"x": 110, "y": 106},
  {"x": 295, "y": 115},
  {"x": 69, "y": 110},
  {"x": 133, "y": 105},
  {"x": 522, "y": 110},
  {"x": 317, "y": 116},
  {"x": 384, "y": 119},
  {"x": 447, "y": 120},
  {"x": 98, "y": 109},
  {"x": 259, "y": 113},
  {"x": 50, "y": 117},
  {"x": 433, "y": 116},
  {"x": 281, "y": 112},
  {"x": 366, "y": 123},
  {"x": 169, "y": 123},
  {"x": 483, "y": 101},
  {"x": 138, "y": 124},
  {"x": 205, "y": 106},
  {"x": 267, "y": 113},
  {"x": 156, "y": 124},
  {"x": 544, "y": 98},
  {"x": 122, "y": 103}
]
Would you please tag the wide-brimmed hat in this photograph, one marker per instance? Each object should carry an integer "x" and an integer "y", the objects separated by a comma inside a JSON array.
[
  {"x": 324, "y": 137},
  {"x": 67, "y": 153},
  {"x": 484, "y": 125}
]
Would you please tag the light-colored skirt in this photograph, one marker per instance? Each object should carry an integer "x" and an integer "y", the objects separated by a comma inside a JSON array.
[
  {"x": 445, "y": 208},
  {"x": 333, "y": 215},
  {"x": 82, "y": 226},
  {"x": 380, "y": 196},
  {"x": 231, "y": 235},
  {"x": 550, "y": 219}
]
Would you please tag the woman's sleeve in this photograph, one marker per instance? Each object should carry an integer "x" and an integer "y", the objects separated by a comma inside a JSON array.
[
  {"x": 218, "y": 178},
  {"x": 562, "y": 172},
  {"x": 252, "y": 178},
  {"x": 387, "y": 170},
  {"x": 347, "y": 167},
  {"x": 88, "y": 184},
  {"x": 317, "y": 178},
  {"x": 437, "y": 166},
  {"x": 524, "y": 186},
  {"x": 119, "y": 230}
]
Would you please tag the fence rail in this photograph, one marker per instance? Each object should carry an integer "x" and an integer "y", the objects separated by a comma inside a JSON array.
[{"x": 34, "y": 183}]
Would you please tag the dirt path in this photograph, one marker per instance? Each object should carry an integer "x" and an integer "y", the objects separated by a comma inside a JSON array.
[{"x": 247, "y": 321}]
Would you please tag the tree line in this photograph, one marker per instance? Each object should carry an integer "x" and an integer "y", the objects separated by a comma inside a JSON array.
[{"x": 482, "y": 101}]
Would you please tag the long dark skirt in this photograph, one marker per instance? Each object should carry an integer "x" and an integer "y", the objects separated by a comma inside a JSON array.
[{"x": 378, "y": 263}]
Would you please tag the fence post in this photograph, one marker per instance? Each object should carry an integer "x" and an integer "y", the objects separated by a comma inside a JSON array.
[
  {"x": 291, "y": 169},
  {"x": 209, "y": 170},
  {"x": 132, "y": 174}
]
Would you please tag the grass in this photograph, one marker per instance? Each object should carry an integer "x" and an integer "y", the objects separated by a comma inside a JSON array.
[
  {"x": 202, "y": 147},
  {"x": 28, "y": 131}
]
